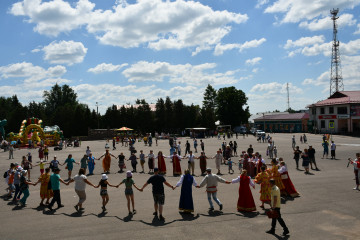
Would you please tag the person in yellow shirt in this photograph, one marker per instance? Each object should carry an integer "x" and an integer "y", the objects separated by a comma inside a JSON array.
[{"x": 275, "y": 206}]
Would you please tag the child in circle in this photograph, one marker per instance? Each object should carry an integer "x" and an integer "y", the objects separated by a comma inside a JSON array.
[
  {"x": 129, "y": 182},
  {"x": 103, "y": 191}
]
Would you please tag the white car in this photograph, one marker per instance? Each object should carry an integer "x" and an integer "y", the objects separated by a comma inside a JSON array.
[{"x": 259, "y": 132}]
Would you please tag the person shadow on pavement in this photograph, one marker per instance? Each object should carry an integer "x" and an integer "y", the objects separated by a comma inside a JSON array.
[{"x": 248, "y": 214}]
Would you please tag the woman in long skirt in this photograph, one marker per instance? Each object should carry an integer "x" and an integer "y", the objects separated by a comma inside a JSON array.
[
  {"x": 176, "y": 164},
  {"x": 186, "y": 201},
  {"x": 106, "y": 161},
  {"x": 203, "y": 163},
  {"x": 246, "y": 201},
  {"x": 265, "y": 192},
  {"x": 289, "y": 187},
  {"x": 274, "y": 173},
  {"x": 161, "y": 163},
  {"x": 44, "y": 191}
]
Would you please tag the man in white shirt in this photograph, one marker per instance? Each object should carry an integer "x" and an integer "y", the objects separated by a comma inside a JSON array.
[
  {"x": 88, "y": 151},
  {"x": 179, "y": 148},
  {"x": 191, "y": 162},
  {"x": 333, "y": 148},
  {"x": 211, "y": 182}
]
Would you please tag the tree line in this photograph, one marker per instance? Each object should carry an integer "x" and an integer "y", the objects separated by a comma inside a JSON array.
[{"x": 60, "y": 106}]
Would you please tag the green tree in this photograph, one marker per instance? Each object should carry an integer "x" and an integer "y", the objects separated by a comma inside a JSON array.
[
  {"x": 160, "y": 115},
  {"x": 59, "y": 96},
  {"x": 230, "y": 106},
  {"x": 210, "y": 98}
]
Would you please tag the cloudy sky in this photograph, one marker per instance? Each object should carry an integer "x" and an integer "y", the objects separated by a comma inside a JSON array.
[{"x": 116, "y": 51}]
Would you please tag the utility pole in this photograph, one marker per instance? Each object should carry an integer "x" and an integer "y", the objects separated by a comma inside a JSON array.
[
  {"x": 97, "y": 113},
  {"x": 288, "y": 96}
]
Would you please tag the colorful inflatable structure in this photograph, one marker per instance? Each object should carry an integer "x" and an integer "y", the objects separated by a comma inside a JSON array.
[{"x": 32, "y": 129}]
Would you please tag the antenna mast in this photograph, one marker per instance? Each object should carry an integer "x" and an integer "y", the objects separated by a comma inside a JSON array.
[
  {"x": 336, "y": 82},
  {"x": 288, "y": 96}
]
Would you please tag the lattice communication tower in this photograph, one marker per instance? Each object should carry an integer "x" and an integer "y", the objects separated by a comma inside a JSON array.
[{"x": 336, "y": 81}]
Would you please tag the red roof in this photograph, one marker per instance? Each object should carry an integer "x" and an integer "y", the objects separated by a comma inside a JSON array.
[
  {"x": 291, "y": 116},
  {"x": 343, "y": 97}
]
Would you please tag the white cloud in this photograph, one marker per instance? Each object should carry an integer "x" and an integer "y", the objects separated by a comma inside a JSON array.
[
  {"x": 274, "y": 88},
  {"x": 260, "y": 3},
  {"x": 327, "y": 23},
  {"x": 271, "y": 96},
  {"x": 296, "y": 11},
  {"x": 221, "y": 48},
  {"x": 156, "y": 24},
  {"x": 350, "y": 75},
  {"x": 253, "y": 61},
  {"x": 304, "y": 41},
  {"x": 313, "y": 46},
  {"x": 358, "y": 30},
  {"x": 29, "y": 80},
  {"x": 106, "y": 67},
  {"x": 196, "y": 75},
  {"x": 53, "y": 17},
  {"x": 30, "y": 72},
  {"x": 118, "y": 95},
  {"x": 65, "y": 52}
]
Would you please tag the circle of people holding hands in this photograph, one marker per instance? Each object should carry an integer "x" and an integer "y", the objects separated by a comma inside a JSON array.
[{"x": 253, "y": 170}]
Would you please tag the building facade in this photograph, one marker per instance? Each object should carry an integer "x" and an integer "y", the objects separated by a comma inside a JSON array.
[
  {"x": 340, "y": 113},
  {"x": 284, "y": 123}
]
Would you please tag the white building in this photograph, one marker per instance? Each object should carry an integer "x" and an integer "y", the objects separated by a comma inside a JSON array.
[{"x": 340, "y": 113}]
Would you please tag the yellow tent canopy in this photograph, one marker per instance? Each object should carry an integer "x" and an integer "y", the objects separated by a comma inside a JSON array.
[{"x": 124, "y": 129}]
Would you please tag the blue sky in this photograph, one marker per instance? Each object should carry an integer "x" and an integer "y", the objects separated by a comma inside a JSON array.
[{"x": 114, "y": 52}]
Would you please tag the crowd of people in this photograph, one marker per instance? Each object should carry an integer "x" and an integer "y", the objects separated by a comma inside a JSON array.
[{"x": 273, "y": 177}]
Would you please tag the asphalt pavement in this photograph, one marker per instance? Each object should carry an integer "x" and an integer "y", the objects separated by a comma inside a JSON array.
[{"x": 326, "y": 209}]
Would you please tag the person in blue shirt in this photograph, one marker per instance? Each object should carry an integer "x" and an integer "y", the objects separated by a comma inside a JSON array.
[
  {"x": 69, "y": 165},
  {"x": 55, "y": 180}
]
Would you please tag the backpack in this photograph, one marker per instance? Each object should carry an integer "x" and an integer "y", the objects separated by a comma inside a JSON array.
[{"x": 5, "y": 174}]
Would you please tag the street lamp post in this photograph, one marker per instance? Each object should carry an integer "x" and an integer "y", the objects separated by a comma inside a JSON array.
[{"x": 97, "y": 113}]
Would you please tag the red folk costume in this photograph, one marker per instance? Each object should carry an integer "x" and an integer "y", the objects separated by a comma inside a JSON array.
[
  {"x": 176, "y": 165},
  {"x": 41, "y": 152},
  {"x": 289, "y": 187},
  {"x": 162, "y": 165},
  {"x": 246, "y": 201},
  {"x": 203, "y": 164}
]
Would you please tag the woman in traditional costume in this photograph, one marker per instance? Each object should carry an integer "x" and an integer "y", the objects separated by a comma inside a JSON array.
[
  {"x": 274, "y": 173},
  {"x": 246, "y": 201},
  {"x": 289, "y": 187},
  {"x": 186, "y": 201},
  {"x": 263, "y": 179},
  {"x": 106, "y": 161},
  {"x": 176, "y": 163},
  {"x": 161, "y": 163}
]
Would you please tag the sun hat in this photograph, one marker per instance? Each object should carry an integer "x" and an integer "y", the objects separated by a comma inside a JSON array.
[
  {"x": 104, "y": 177},
  {"x": 208, "y": 169},
  {"x": 128, "y": 174}
]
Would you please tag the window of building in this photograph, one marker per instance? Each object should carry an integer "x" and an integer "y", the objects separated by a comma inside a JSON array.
[
  {"x": 342, "y": 110},
  {"x": 313, "y": 110},
  {"x": 322, "y": 124},
  {"x": 331, "y": 110},
  {"x": 322, "y": 110}
]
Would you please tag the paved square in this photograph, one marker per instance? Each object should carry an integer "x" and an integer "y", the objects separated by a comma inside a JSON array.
[{"x": 327, "y": 208}]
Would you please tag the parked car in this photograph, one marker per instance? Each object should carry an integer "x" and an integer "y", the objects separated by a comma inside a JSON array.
[{"x": 259, "y": 132}]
